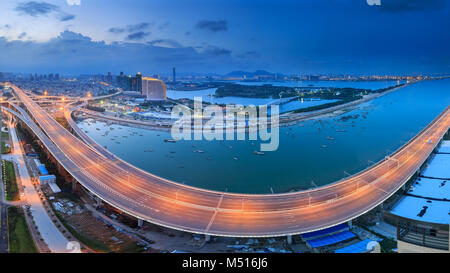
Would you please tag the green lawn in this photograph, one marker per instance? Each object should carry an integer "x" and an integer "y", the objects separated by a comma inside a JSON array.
[
  {"x": 5, "y": 150},
  {"x": 20, "y": 240},
  {"x": 9, "y": 176}
]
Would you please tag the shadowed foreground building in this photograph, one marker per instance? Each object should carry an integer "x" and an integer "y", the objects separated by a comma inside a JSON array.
[{"x": 422, "y": 216}]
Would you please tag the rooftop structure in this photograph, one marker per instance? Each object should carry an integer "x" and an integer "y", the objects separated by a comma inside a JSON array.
[{"x": 423, "y": 214}]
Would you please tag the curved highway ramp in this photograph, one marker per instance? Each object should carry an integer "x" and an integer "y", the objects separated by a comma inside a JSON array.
[{"x": 186, "y": 208}]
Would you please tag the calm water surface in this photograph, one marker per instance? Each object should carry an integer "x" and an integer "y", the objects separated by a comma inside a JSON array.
[{"x": 376, "y": 128}]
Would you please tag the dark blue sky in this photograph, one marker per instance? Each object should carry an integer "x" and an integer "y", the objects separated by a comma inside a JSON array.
[{"x": 217, "y": 36}]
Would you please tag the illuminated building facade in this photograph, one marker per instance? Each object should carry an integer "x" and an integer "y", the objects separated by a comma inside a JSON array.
[{"x": 153, "y": 89}]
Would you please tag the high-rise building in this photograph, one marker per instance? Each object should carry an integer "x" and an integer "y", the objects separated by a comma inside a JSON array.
[
  {"x": 130, "y": 83},
  {"x": 174, "y": 75},
  {"x": 138, "y": 82},
  {"x": 109, "y": 78},
  {"x": 153, "y": 89}
]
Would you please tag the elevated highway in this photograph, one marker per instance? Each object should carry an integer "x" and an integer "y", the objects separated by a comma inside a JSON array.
[{"x": 166, "y": 203}]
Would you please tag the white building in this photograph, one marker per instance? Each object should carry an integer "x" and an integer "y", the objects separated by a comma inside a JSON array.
[
  {"x": 47, "y": 179},
  {"x": 153, "y": 89}
]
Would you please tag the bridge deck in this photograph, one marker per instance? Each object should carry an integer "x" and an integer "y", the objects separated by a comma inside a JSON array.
[{"x": 182, "y": 207}]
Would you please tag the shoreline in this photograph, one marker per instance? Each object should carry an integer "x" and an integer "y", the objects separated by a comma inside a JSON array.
[{"x": 286, "y": 119}]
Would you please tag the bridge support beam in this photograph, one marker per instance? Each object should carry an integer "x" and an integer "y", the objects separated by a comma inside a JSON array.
[
  {"x": 98, "y": 202},
  {"x": 140, "y": 223},
  {"x": 350, "y": 224},
  {"x": 74, "y": 184},
  {"x": 289, "y": 239},
  {"x": 207, "y": 238}
]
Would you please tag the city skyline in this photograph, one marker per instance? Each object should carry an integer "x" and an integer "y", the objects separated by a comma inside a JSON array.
[
  {"x": 287, "y": 37},
  {"x": 224, "y": 128}
]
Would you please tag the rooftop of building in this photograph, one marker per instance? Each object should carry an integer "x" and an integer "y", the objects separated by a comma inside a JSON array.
[{"x": 428, "y": 199}]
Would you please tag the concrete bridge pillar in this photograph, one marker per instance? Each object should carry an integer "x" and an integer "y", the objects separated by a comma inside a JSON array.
[
  {"x": 140, "y": 223},
  {"x": 207, "y": 238},
  {"x": 350, "y": 224},
  {"x": 98, "y": 202},
  {"x": 289, "y": 239},
  {"x": 74, "y": 184}
]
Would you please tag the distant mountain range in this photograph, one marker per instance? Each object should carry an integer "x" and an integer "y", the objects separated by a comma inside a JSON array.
[{"x": 249, "y": 75}]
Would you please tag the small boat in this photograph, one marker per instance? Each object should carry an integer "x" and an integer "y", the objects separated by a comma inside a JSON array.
[
  {"x": 199, "y": 151},
  {"x": 324, "y": 146},
  {"x": 258, "y": 153},
  {"x": 330, "y": 138},
  {"x": 170, "y": 141},
  {"x": 235, "y": 158}
]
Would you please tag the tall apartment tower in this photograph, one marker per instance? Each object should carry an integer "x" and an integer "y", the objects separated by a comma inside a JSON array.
[
  {"x": 139, "y": 82},
  {"x": 174, "y": 75}
]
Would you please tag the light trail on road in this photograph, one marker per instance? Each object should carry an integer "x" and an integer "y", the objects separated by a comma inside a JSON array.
[{"x": 174, "y": 205}]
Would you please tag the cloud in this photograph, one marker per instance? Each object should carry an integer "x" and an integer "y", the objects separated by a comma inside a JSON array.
[
  {"x": 36, "y": 9},
  {"x": 164, "y": 26},
  {"x": 130, "y": 28},
  {"x": 213, "y": 26},
  {"x": 373, "y": 2},
  {"x": 216, "y": 51},
  {"x": 22, "y": 35},
  {"x": 72, "y": 53},
  {"x": 165, "y": 43},
  {"x": 137, "y": 36},
  {"x": 116, "y": 30},
  {"x": 66, "y": 17},
  {"x": 138, "y": 27},
  {"x": 73, "y": 2}
]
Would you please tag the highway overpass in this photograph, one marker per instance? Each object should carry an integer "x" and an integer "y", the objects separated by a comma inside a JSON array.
[{"x": 173, "y": 205}]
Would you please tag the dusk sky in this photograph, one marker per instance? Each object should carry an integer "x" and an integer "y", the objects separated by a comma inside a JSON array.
[{"x": 219, "y": 36}]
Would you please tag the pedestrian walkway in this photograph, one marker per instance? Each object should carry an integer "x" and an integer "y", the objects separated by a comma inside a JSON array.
[{"x": 51, "y": 235}]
